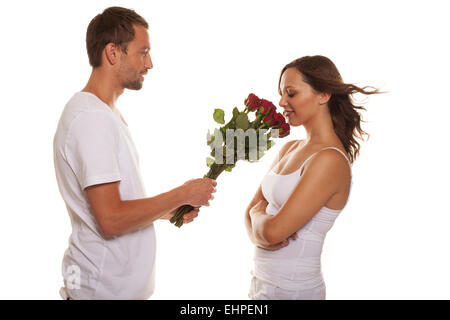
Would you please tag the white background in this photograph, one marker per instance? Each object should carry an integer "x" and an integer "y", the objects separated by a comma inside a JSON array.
[{"x": 392, "y": 239}]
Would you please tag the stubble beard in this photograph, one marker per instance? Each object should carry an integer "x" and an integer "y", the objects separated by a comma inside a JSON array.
[
  {"x": 133, "y": 85},
  {"x": 130, "y": 78}
]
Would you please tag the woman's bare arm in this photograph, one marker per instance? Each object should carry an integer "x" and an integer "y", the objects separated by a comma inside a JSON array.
[
  {"x": 321, "y": 178},
  {"x": 258, "y": 197}
]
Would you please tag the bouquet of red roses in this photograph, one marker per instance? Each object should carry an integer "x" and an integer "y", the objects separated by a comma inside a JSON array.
[{"x": 240, "y": 139}]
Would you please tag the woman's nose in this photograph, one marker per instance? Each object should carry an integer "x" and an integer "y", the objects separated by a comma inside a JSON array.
[{"x": 282, "y": 102}]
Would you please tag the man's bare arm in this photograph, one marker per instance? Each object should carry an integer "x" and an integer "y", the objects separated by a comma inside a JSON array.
[{"x": 116, "y": 216}]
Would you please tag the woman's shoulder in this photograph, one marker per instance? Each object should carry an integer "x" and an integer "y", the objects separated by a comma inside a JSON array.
[
  {"x": 333, "y": 153},
  {"x": 329, "y": 161}
]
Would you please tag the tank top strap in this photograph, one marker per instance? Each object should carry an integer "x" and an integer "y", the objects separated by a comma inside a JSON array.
[
  {"x": 292, "y": 146},
  {"x": 340, "y": 151},
  {"x": 307, "y": 159}
]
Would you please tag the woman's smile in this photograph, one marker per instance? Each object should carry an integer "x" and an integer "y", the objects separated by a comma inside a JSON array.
[{"x": 287, "y": 113}]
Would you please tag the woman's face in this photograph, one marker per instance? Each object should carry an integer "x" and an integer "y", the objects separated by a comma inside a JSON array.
[{"x": 298, "y": 99}]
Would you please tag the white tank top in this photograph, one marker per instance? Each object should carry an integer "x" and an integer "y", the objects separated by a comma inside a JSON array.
[{"x": 296, "y": 266}]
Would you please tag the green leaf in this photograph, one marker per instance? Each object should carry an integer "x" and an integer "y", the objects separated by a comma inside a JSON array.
[
  {"x": 235, "y": 112},
  {"x": 216, "y": 140},
  {"x": 219, "y": 116},
  {"x": 228, "y": 169},
  {"x": 209, "y": 161},
  {"x": 242, "y": 121},
  {"x": 211, "y": 141},
  {"x": 209, "y": 138}
]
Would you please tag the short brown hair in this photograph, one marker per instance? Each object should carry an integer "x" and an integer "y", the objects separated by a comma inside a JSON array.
[{"x": 114, "y": 24}]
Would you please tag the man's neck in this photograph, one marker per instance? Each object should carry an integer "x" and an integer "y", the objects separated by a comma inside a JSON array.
[{"x": 104, "y": 86}]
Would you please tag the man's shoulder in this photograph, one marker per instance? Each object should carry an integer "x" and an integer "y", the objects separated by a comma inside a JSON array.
[
  {"x": 81, "y": 114},
  {"x": 86, "y": 102},
  {"x": 86, "y": 108}
]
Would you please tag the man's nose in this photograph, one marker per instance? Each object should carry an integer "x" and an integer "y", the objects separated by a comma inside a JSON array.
[{"x": 148, "y": 62}]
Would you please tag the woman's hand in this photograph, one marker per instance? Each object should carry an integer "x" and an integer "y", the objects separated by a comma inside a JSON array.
[
  {"x": 259, "y": 207},
  {"x": 277, "y": 246}
]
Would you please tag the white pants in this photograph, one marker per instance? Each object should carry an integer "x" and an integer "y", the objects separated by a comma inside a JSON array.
[
  {"x": 262, "y": 290},
  {"x": 63, "y": 293}
]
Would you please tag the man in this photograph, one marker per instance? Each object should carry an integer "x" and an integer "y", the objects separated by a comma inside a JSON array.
[{"x": 111, "y": 252}]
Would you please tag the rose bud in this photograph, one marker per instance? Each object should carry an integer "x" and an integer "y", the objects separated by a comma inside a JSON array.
[
  {"x": 270, "y": 120},
  {"x": 284, "y": 130},
  {"x": 266, "y": 106},
  {"x": 278, "y": 119},
  {"x": 252, "y": 102}
]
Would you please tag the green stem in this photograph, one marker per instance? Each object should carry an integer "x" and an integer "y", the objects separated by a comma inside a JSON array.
[
  {"x": 214, "y": 171},
  {"x": 261, "y": 126},
  {"x": 256, "y": 121}
]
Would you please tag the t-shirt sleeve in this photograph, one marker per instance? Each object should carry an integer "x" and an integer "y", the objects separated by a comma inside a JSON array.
[{"x": 92, "y": 148}]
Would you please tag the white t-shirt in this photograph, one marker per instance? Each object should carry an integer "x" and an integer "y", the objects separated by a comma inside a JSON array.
[{"x": 92, "y": 145}]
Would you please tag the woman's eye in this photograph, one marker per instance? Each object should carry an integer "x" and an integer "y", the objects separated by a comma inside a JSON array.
[{"x": 290, "y": 95}]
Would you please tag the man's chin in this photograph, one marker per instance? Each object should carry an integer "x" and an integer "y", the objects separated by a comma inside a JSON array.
[{"x": 136, "y": 85}]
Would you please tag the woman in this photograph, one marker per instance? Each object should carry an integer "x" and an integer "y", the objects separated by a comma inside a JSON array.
[{"x": 308, "y": 184}]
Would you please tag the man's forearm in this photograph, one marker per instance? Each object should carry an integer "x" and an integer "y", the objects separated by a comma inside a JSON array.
[{"x": 135, "y": 214}]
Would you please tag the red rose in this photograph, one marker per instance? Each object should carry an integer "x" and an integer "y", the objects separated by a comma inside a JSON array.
[
  {"x": 266, "y": 106},
  {"x": 284, "y": 130},
  {"x": 252, "y": 102},
  {"x": 279, "y": 119},
  {"x": 270, "y": 119}
]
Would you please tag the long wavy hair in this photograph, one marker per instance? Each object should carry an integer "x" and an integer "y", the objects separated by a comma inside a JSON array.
[{"x": 323, "y": 76}]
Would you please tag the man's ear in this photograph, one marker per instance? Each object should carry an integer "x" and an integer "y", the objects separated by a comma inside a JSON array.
[{"x": 112, "y": 53}]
